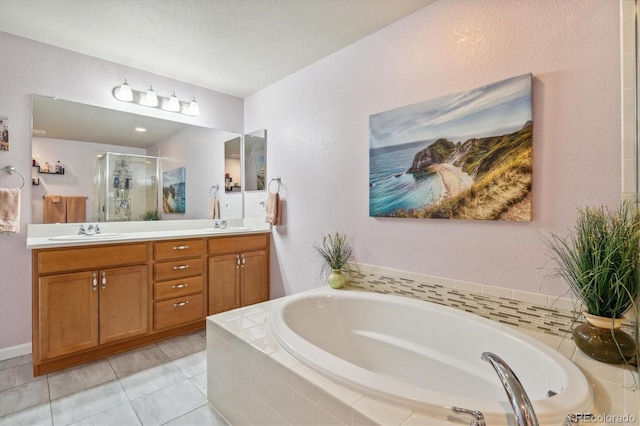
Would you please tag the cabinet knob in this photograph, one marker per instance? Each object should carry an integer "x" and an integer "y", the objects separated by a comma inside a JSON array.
[
  {"x": 243, "y": 261},
  {"x": 179, "y": 285},
  {"x": 180, "y": 267},
  {"x": 181, "y": 304},
  {"x": 94, "y": 281},
  {"x": 104, "y": 280},
  {"x": 180, "y": 247},
  {"x": 237, "y": 261}
]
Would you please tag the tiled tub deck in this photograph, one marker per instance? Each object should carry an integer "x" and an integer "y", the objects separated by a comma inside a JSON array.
[{"x": 253, "y": 380}]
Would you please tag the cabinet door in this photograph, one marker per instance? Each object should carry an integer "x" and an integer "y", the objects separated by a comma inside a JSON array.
[
  {"x": 254, "y": 284},
  {"x": 68, "y": 313},
  {"x": 224, "y": 283},
  {"x": 123, "y": 303}
]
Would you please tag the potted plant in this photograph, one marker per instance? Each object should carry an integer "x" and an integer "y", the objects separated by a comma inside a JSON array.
[
  {"x": 151, "y": 215},
  {"x": 600, "y": 262},
  {"x": 336, "y": 253}
]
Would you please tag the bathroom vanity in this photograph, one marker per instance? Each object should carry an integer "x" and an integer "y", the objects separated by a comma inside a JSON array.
[{"x": 95, "y": 297}]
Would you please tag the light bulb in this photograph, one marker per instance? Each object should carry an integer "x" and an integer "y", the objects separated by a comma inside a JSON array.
[
  {"x": 150, "y": 99},
  {"x": 174, "y": 103},
  {"x": 193, "y": 108},
  {"x": 124, "y": 93}
]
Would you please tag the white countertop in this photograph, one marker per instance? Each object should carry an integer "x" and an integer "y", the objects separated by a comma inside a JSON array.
[{"x": 40, "y": 235}]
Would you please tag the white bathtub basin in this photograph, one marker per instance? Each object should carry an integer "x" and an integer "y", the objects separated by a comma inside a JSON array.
[
  {"x": 84, "y": 237},
  {"x": 424, "y": 356}
]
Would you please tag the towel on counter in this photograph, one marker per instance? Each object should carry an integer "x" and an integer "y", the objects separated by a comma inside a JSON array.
[
  {"x": 214, "y": 208},
  {"x": 76, "y": 209},
  {"x": 9, "y": 210},
  {"x": 273, "y": 209},
  {"x": 55, "y": 209}
]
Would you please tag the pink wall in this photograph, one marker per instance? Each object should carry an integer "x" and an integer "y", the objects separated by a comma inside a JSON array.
[
  {"x": 29, "y": 67},
  {"x": 317, "y": 121}
]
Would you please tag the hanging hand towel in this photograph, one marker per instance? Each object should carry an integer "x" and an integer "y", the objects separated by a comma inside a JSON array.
[
  {"x": 9, "y": 210},
  {"x": 273, "y": 209},
  {"x": 214, "y": 208},
  {"x": 55, "y": 210},
  {"x": 76, "y": 209}
]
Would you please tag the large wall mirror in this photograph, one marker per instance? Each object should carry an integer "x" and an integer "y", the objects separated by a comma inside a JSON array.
[
  {"x": 126, "y": 166},
  {"x": 255, "y": 160}
]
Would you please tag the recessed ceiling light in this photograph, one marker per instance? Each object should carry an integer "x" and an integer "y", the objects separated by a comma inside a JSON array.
[{"x": 140, "y": 129}]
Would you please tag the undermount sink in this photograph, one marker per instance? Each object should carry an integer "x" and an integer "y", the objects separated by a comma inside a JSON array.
[
  {"x": 85, "y": 237},
  {"x": 228, "y": 229}
]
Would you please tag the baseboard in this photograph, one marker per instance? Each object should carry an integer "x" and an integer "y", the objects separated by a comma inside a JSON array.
[{"x": 14, "y": 351}]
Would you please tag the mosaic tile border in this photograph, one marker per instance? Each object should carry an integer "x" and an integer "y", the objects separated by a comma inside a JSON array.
[{"x": 545, "y": 319}]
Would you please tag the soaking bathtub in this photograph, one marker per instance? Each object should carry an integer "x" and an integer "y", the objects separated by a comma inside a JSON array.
[{"x": 425, "y": 356}]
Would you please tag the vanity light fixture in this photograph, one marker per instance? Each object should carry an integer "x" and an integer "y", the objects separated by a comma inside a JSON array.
[
  {"x": 194, "y": 109},
  {"x": 174, "y": 103},
  {"x": 124, "y": 93},
  {"x": 149, "y": 98}
]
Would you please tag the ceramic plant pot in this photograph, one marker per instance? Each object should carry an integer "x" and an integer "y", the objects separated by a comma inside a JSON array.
[
  {"x": 602, "y": 339},
  {"x": 336, "y": 279}
]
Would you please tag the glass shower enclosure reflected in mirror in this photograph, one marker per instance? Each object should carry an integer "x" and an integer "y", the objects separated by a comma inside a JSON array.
[
  {"x": 255, "y": 160},
  {"x": 126, "y": 187}
]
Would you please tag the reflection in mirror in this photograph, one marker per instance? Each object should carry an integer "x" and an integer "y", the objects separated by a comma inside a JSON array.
[
  {"x": 73, "y": 137},
  {"x": 232, "y": 166},
  {"x": 126, "y": 187},
  {"x": 255, "y": 160}
]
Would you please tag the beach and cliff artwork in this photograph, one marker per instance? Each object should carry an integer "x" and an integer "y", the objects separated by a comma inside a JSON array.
[
  {"x": 462, "y": 156},
  {"x": 173, "y": 191}
]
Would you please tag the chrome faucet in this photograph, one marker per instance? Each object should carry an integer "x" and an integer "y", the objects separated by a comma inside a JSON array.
[
  {"x": 477, "y": 416},
  {"x": 525, "y": 416}
]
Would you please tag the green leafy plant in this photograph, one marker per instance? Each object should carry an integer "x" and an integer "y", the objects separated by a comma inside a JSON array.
[
  {"x": 600, "y": 259},
  {"x": 151, "y": 215},
  {"x": 335, "y": 251}
]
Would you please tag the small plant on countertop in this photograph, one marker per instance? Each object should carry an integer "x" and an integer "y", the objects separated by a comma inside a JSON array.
[{"x": 151, "y": 215}]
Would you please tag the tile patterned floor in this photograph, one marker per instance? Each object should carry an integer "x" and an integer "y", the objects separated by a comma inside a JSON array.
[{"x": 161, "y": 384}]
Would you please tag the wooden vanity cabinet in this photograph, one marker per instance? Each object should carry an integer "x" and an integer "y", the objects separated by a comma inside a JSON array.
[
  {"x": 178, "y": 287},
  {"x": 83, "y": 300},
  {"x": 238, "y": 271},
  {"x": 96, "y": 300}
]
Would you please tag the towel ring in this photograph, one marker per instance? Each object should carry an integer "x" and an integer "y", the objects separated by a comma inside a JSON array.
[
  {"x": 11, "y": 170},
  {"x": 216, "y": 187},
  {"x": 278, "y": 181}
]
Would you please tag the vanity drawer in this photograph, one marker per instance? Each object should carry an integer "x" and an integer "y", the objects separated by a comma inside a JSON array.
[
  {"x": 224, "y": 245},
  {"x": 92, "y": 257},
  {"x": 178, "y": 311},
  {"x": 175, "y": 288},
  {"x": 178, "y": 249},
  {"x": 178, "y": 269}
]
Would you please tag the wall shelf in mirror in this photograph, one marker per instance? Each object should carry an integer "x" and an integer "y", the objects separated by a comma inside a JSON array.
[{"x": 41, "y": 171}]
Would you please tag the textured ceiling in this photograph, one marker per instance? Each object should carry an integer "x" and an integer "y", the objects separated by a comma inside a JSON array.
[{"x": 232, "y": 46}]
